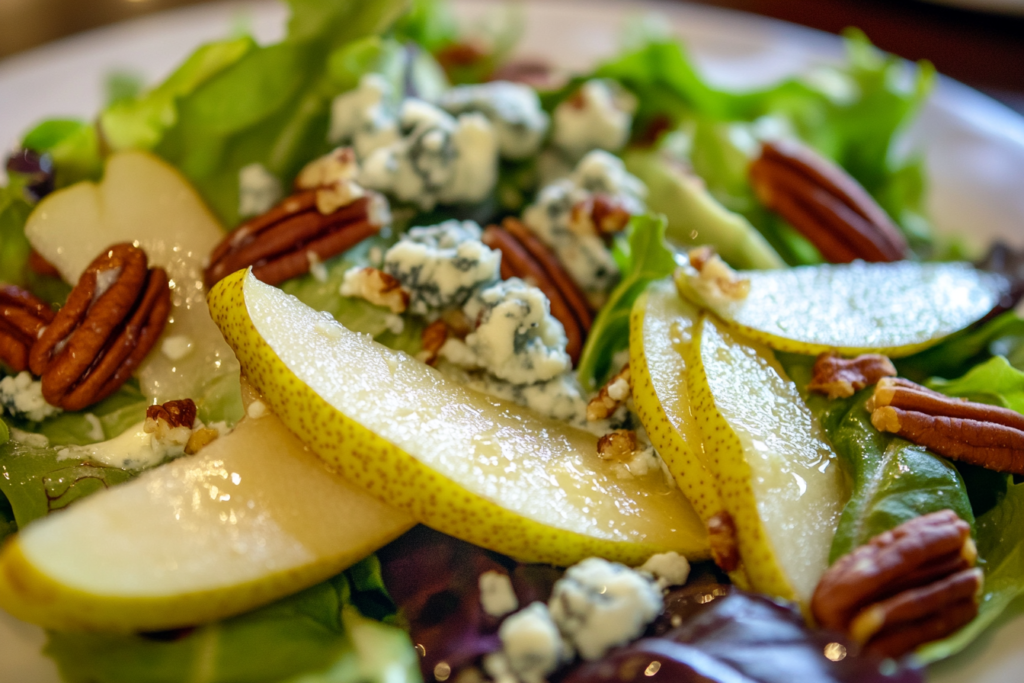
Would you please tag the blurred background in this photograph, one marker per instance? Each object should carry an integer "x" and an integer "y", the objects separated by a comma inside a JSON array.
[{"x": 980, "y": 42}]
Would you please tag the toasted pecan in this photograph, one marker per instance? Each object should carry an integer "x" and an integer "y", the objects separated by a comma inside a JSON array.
[
  {"x": 840, "y": 377},
  {"x": 22, "y": 316}
]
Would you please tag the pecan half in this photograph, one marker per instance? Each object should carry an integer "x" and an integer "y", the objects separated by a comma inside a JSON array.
[
  {"x": 981, "y": 434},
  {"x": 22, "y": 316},
  {"x": 842, "y": 377},
  {"x": 278, "y": 243},
  {"x": 905, "y": 587},
  {"x": 524, "y": 256},
  {"x": 825, "y": 204},
  {"x": 614, "y": 393},
  {"x": 111, "y": 320}
]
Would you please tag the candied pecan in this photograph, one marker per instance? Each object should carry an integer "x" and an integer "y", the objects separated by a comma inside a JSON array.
[
  {"x": 181, "y": 413},
  {"x": 111, "y": 320},
  {"x": 842, "y": 377},
  {"x": 277, "y": 244},
  {"x": 905, "y": 587},
  {"x": 825, "y": 204},
  {"x": 617, "y": 445},
  {"x": 981, "y": 434},
  {"x": 722, "y": 538},
  {"x": 524, "y": 256},
  {"x": 614, "y": 393},
  {"x": 22, "y": 316}
]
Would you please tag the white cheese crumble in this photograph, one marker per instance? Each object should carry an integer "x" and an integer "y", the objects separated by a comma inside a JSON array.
[
  {"x": 560, "y": 398},
  {"x": 316, "y": 267},
  {"x": 96, "y": 432},
  {"x": 497, "y": 596},
  {"x": 619, "y": 390},
  {"x": 135, "y": 448},
  {"x": 258, "y": 190},
  {"x": 512, "y": 108},
  {"x": 599, "y": 605},
  {"x": 256, "y": 410},
  {"x": 365, "y": 117},
  {"x": 669, "y": 569},
  {"x": 442, "y": 265},
  {"x": 517, "y": 339},
  {"x": 177, "y": 346},
  {"x": 22, "y": 397},
  {"x": 598, "y": 116},
  {"x": 532, "y": 644},
  {"x": 29, "y": 438},
  {"x": 583, "y": 252},
  {"x": 436, "y": 159}
]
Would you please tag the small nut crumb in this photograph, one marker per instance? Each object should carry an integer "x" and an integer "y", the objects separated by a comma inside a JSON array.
[
  {"x": 715, "y": 280},
  {"x": 377, "y": 287},
  {"x": 616, "y": 391},
  {"x": 843, "y": 377},
  {"x": 617, "y": 445},
  {"x": 200, "y": 439},
  {"x": 433, "y": 338}
]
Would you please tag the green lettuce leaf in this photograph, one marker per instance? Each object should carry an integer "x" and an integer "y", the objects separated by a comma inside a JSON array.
[
  {"x": 14, "y": 247},
  {"x": 995, "y": 382},
  {"x": 959, "y": 353},
  {"x": 316, "y": 636},
  {"x": 643, "y": 257},
  {"x": 74, "y": 147}
]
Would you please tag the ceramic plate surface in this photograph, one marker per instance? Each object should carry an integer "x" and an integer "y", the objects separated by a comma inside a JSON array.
[{"x": 974, "y": 148}]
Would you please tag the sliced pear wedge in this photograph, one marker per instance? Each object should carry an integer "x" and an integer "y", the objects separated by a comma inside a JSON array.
[
  {"x": 252, "y": 517},
  {"x": 483, "y": 470},
  {"x": 891, "y": 308},
  {"x": 778, "y": 477}
]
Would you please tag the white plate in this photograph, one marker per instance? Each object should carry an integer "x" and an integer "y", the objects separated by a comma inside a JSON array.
[{"x": 974, "y": 148}]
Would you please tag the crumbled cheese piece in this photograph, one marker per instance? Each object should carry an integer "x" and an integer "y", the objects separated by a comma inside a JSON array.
[
  {"x": 512, "y": 108},
  {"x": 177, "y": 346},
  {"x": 598, "y": 116},
  {"x": 516, "y": 339},
  {"x": 365, "y": 117},
  {"x": 29, "y": 438},
  {"x": 669, "y": 569},
  {"x": 497, "y": 596},
  {"x": 96, "y": 432},
  {"x": 599, "y": 605},
  {"x": 148, "y": 443},
  {"x": 584, "y": 254},
  {"x": 531, "y": 643},
  {"x": 258, "y": 190},
  {"x": 437, "y": 159},
  {"x": 256, "y": 410},
  {"x": 442, "y": 265},
  {"x": 619, "y": 389},
  {"x": 316, "y": 267},
  {"x": 22, "y": 397},
  {"x": 560, "y": 398},
  {"x": 395, "y": 323},
  {"x": 377, "y": 287},
  {"x": 716, "y": 282}
]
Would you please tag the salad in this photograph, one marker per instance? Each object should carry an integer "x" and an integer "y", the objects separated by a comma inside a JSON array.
[{"x": 380, "y": 354}]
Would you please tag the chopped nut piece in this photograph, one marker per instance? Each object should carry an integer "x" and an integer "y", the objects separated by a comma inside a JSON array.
[
  {"x": 180, "y": 413},
  {"x": 842, "y": 377},
  {"x": 377, "y": 287},
  {"x": 200, "y": 439},
  {"x": 905, "y": 587},
  {"x": 618, "y": 445},
  {"x": 715, "y": 280},
  {"x": 433, "y": 338},
  {"x": 722, "y": 539},
  {"x": 599, "y": 214},
  {"x": 981, "y": 434},
  {"x": 611, "y": 396},
  {"x": 333, "y": 176}
]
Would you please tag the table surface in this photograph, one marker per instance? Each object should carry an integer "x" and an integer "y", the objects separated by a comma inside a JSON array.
[{"x": 984, "y": 50}]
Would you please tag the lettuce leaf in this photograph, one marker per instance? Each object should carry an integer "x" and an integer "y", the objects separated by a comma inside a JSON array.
[
  {"x": 995, "y": 382},
  {"x": 959, "y": 353},
  {"x": 73, "y": 146},
  {"x": 315, "y": 636},
  {"x": 643, "y": 257}
]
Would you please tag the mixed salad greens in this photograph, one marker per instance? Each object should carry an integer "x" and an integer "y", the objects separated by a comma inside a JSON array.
[{"x": 241, "y": 120}]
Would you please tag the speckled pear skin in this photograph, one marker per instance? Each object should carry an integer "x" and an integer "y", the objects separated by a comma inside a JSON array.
[
  {"x": 896, "y": 309},
  {"x": 779, "y": 479},
  {"x": 658, "y": 317},
  {"x": 401, "y": 480}
]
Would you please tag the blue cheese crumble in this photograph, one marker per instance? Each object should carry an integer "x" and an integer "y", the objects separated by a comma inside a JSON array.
[
  {"x": 598, "y": 116},
  {"x": 514, "y": 110},
  {"x": 554, "y": 219},
  {"x": 258, "y": 190},
  {"x": 22, "y": 397},
  {"x": 365, "y": 118},
  {"x": 442, "y": 265},
  {"x": 531, "y": 645},
  {"x": 517, "y": 339},
  {"x": 497, "y": 596},
  {"x": 599, "y": 605}
]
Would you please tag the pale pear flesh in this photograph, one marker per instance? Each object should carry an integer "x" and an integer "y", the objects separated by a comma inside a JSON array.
[
  {"x": 778, "y": 476},
  {"x": 480, "y": 469},
  {"x": 892, "y": 308},
  {"x": 144, "y": 200},
  {"x": 252, "y": 517}
]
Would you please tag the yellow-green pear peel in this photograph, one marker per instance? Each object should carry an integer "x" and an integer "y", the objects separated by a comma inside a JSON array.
[
  {"x": 251, "y": 518},
  {"x": 896, "y": 309},
  {"x": 778, "y": 476},
  {"x": 480, "y": 469}
]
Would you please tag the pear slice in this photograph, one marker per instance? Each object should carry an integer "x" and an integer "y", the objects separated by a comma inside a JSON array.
[
  {"x": 145, "y": 200},
  {"x": 778, "y": 477},
  {"x": 252, "y": 517},
  {"x": 891, "y": 308},
  {"x": 483, "y": 470}
]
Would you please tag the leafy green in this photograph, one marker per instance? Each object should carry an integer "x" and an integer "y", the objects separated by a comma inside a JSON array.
[
  {"x": 1000, "y": 541},
  {"x": 643, "y": 257},
  {"x": 14, "y": 248},
  {"x": 431, "y": 24},
  {"x": 995, "y": 382},
  {"x": 316, "y": 636},
  {"x": 73, "y": 145},
  {"x": 957, "y": 354},
  {"x": 5, "y": 433}
]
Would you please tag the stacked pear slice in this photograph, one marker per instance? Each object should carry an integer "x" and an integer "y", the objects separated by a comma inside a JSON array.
[
  {"x": 252, "y": 517},
  {"x": 477, "y": 468}
]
